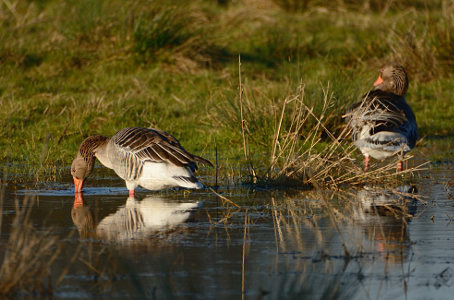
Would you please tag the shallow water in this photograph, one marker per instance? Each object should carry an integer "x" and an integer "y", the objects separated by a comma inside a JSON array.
[{"x": 374, "y": 242}]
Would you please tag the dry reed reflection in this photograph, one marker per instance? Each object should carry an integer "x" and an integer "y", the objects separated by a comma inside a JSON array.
[
  {"x": 28, "y": 254},
  {"x": 384, "y": 215},
  {"x": 311, "y": 229}
]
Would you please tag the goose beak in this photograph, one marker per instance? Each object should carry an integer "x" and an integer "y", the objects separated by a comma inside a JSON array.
[
  {"x": 78, "y": 185},
  {"x": 378, "y": 81}
]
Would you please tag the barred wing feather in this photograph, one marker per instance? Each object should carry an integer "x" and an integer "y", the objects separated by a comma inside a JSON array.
[
  {"x": 379, "y": 111},
  {"x": 134, "y": 146}
]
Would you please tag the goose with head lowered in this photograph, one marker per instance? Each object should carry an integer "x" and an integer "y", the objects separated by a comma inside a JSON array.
[
  {"x": 383, "y": 124},
  {"x": 135, "y": 222},
  {"x": 144, "y": 157}
]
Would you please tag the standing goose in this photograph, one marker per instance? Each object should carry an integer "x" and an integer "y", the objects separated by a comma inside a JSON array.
[
  {"x": 147, "y": 157},
  {"x": 383, "y": 124}
]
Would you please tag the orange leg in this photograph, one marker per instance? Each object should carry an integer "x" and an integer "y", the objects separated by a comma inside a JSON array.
[
  {"x": 366, "y": 162},
  {"x": 131, "y": 193}
]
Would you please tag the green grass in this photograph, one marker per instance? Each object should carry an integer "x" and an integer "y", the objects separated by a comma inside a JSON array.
[{"x": 76, "y": 68}]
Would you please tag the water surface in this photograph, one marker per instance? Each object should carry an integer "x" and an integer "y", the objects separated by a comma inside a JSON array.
[{"x": 375, "y": 242}]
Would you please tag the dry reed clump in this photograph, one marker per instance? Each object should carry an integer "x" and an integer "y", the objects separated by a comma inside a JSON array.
[
  {"x": 28, "y": 257},
  {"x": 313, "y": 155}
]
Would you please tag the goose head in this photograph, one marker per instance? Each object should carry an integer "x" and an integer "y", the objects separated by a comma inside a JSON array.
[
  {"x": 393, "y": 79},
  {"x": 85, "y": 160},
  {"x": 80, "y": 170}
]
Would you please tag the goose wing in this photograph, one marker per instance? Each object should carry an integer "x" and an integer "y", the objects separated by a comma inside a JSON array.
[
  {"x": 135, "y": 146},
  {"x": 176, "y": 146},
  {"x": 379, "y": 111}
]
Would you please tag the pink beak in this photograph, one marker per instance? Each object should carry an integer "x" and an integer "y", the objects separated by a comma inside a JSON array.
[
  {"x": 78, "y": 185},
  {"x": 378, "y": 81}
]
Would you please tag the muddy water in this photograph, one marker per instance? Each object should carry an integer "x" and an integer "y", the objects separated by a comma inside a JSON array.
[{"x": 374, "y": 242}]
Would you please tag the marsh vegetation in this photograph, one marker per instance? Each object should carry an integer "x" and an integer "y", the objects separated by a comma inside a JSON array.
[{"x": 76, "y": 68}]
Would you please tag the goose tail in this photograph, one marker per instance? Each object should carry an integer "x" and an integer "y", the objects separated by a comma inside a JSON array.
[
  {"x": 189, "y": 182},
  {"x": 202, "y": 161}
]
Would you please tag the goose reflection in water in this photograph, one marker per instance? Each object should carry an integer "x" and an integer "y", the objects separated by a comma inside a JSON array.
[
  {"x": 136, "y": 220},
  {"x": 384, "y": 215}
]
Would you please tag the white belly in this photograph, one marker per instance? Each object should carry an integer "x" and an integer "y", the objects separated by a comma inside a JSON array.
[
  {"x": 382, "y": 144},
  {"x": 376, "y": 153},
  {"x": 157, "y": 176}
]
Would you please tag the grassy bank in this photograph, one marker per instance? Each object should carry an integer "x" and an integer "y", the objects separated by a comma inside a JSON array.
[{"x": 70, "y": 69}]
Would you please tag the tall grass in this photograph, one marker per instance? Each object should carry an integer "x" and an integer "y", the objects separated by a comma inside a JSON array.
[
  {"x": 176, "y": 33},
  {"x": 382, "y": 6}
]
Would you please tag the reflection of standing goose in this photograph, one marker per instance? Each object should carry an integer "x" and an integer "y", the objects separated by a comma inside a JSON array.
[
  {"x": 147, "y": 157},
  {"x": 382, "y": 202},
  {"x": 384, "y": 215},
  {"x": 383, "y": 124},
  {"x": 134, "y": 220}
]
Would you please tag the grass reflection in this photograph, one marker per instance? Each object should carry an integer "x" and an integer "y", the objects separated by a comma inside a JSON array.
[{"x": 28, "y": 255}]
